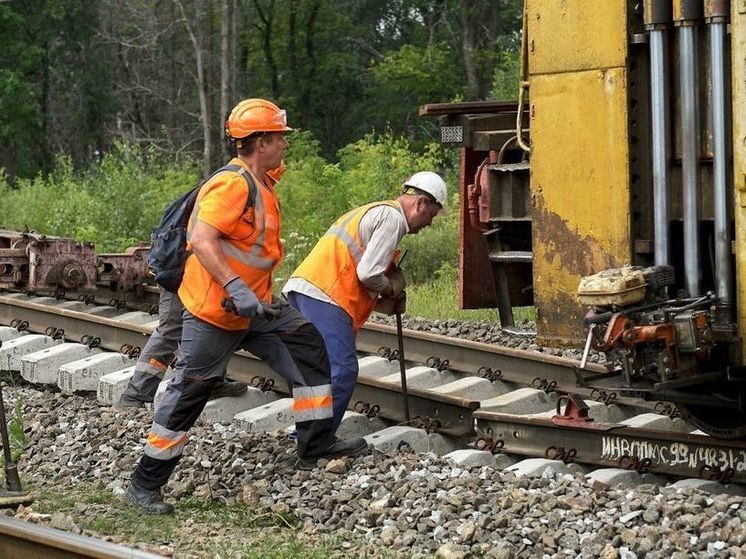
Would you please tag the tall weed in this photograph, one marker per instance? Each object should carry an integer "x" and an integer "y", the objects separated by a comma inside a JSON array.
[
  {"x": 118, "y": 200},
  {"x": 116, "y": 203},
  {"x": 315, "y": 192}
]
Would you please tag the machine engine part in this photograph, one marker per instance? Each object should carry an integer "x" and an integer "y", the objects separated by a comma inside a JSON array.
[
  {"x": 38, "y": 262},
  {"x": 124, "y": 272},
  {"x": 613, "y": 287}
]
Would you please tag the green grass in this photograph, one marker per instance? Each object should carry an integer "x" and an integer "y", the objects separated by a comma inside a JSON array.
[
  {"x": 268, "y": 550},
  {"x": 438, "y": 299},
  {"x": 15, "y": 431},
  {"x": 216, "y": 511},
  {"x": 114, "y": 517},
  {"x": 243, "y": 532},
  {"x": 14, "y": 420}
]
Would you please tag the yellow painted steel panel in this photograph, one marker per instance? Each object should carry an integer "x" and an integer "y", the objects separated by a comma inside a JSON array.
[
  {"x": 738, "y": 57},
  {"x": 572, "y": 35},
  {"x": 579, "y": 188}
]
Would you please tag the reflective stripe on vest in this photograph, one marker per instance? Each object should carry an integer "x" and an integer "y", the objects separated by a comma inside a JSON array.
[
  {"x": 332, "y": 265},
  {"x": 252, "y": 258},
  {"x": 252, "y": 250},
  {"x": 339, "y": 231}
]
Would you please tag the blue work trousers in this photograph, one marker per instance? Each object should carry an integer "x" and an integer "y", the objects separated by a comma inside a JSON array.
[{"x": 335, "y": 326}]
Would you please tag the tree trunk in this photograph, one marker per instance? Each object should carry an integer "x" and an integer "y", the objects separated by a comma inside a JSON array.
[
  {"x": 292, "y": 55},
  {"x": 201, "y": 88},
  {"x": 466, "y": 22},
  {"x": 266, "y": 30},
  {"x": 225, "y": 55},
  {"x": 208, "y": 23},
  {"x": 305, "y": 95},
  {"x": 492, "y": 25},
  {"x": 235, "y": 69}
]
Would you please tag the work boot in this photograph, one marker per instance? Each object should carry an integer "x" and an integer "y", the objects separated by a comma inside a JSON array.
[
  {"x": 146, "y": 501},
  {"x": 229, "y": 387},
  {"x": 338, "y": 449},
  {"x": 127, "y": 400}
]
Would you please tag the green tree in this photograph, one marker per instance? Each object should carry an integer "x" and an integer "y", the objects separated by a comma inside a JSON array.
[{"x": 54, "y": 91}]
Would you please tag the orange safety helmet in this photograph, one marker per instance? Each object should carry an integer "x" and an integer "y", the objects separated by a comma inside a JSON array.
[
  {"x": 276, "y": 173},
  {"x": 255, "y": 115}
]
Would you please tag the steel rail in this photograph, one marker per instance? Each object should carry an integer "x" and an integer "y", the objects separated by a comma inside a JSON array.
[
  {"x": 594, "y": 443},
  {"x": 23, "y": 540},
  {"x": 469, "y": 357},
  {"x": 464, "y": 356},
  {"x": 614, "y": 445},
  {"x": 453, "y": 413}
]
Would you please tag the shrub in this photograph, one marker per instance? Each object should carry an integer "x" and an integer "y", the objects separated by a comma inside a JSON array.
[
  {"x": 115, "y": 204},
  {"x": 315, "y": 192},
  {"x": 117, "y": 201}
]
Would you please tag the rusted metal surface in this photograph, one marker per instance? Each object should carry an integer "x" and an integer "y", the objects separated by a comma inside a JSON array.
[
  {"x": 478, "y": 131},
  {"x": 476, "y": 282},
  {"x": 13, "y": 267},
  {"x": 41, "y": 263},
  {"x": 575, "y": 414},
  {"x": 580, "y": 192},
  {"x": 124, "y": 272},
  {"x": 680, "y": 454},
  {"x": 717, "y": 8},
  {"x": 658, "y": 12},
  {"x": 23, "y": 540},
  {"x": 505, "y": 192},
  {"x": 468, "y": 107},
  {"x": 34, "y": 261},
  {"x": 687, "y": 10},
  {"x": 494, "y": 197}
]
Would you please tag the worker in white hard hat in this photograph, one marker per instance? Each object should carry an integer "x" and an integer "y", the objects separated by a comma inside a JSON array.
[{"x": 351, "y": 272}]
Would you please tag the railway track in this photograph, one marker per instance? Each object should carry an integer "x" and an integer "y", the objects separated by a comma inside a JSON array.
[
  {"x": 23, "y": 540},
  {"x": 497, "y": 399}
]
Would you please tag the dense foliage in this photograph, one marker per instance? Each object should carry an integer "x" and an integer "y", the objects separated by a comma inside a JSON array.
[
  {"x": 118, "y": 201},
  {"x": 111, "y": 108},
  {"x": 78, "y": 76},
  {"x": 115, "y": 204}
]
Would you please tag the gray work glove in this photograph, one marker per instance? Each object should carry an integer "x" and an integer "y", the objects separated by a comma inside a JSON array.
[
  {"x": 392, "y": 305},
  {"x": 397, "y": 283},
  {"x": 244, "y": 300}
]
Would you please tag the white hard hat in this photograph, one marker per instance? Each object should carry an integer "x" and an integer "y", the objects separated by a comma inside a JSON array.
[{"x": 429, "y": 182}]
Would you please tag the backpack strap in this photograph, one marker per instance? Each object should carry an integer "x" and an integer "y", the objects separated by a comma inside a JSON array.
[{"x": 251, "y": 200}]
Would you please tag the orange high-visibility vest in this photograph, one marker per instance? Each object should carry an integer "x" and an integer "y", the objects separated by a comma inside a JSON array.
[
  {"x": 251, "y": 245},
  {"x": 332, "y": 265}
]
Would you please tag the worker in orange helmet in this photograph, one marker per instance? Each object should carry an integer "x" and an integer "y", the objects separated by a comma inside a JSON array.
[
  {"x": 234, "y": 240},
  {"x": 160, "y": 349}
]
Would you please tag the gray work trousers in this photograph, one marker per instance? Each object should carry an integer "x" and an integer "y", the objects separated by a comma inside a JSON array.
[
  {"x": 289, "y": 343},
  {"x": 160, "y": 349}
]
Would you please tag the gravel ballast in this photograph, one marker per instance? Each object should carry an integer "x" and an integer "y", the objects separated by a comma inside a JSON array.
[
  {"x": 419, "y": 505},
  {"x": 487, "y": 332}
]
